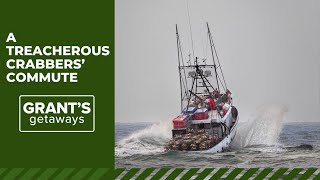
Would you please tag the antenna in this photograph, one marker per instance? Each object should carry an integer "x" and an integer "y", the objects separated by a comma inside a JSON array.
[{"x": 190, "y": 29}]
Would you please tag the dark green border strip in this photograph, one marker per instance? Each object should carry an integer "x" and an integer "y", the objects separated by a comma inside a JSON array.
[
  {"x": 64, "y": 174},
  {"x": 100, "y": 173},
  {"x": 38, "y": 174},
  {"x": 13, "y": 173},
  {"x": 278, "y": 173},
  {"x": 29, "y": 174},
  {"x": 309, "y": 172},
  {"x": 60, "y": 173},
  {"x": 204, "y": 174},
  {"x": 175, "y": 173},
  {"x": 22, "y": 173},
  {"x": 234, "y": 173},
  {"x": 4, "y": 172},
  {"x": 160, "y": 173},
  {"x": 293, "y": 173},
  {"x": 145, "y": 173},
  {"x": 317, "y": 177},
  {"x": 190, "y": 173},
  {"x": 47, "y": 173},
  {"x": 219, "y": 173},
  {"x": 263, "y": 173},
  {"x": 249, "y": 173},
  {"x": 83, "y": 172},
  {"x": 73, "y": 173},
  {"x": 53, "y": 175},
  {"x": 133, "y": 173},
  {"x": 130, "y": 173},
  {"x": 115, "y": 173}
]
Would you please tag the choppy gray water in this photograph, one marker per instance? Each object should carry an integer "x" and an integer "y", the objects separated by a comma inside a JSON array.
[{"x": 259, "y": 144}]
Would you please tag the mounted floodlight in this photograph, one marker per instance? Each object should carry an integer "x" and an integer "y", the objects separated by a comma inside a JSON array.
[
  {"x": 207, "y": 73},
  {"x": 192, "y": 74}
]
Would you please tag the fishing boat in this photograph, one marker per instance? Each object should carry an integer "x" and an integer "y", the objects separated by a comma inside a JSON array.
[{"x": 208, "y": 119}]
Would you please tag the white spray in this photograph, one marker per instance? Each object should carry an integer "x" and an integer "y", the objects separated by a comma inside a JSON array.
[
  {"x": 263, "y": 128},
  {"x": 147, "y": 141}
]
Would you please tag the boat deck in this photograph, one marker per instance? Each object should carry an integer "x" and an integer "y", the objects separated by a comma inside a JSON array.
[{"x": 213, "y": 117}]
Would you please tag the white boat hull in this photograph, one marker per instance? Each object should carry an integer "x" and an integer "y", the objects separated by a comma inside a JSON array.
[{"x": 225, "y": 143}]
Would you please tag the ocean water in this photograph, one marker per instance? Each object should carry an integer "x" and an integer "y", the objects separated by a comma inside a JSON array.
[{"x": 263, "y": 140}]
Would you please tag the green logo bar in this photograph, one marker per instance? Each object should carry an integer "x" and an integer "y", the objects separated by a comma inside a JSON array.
[{"x": 56, "y": 113}]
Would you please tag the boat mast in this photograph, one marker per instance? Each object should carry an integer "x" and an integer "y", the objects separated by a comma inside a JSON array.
[
  {"x": 183, "y": 82},
  {"x": 213, "y": 48},
  {"x": 185, "y": 93},
  {"x": 214, "y": 62},
  {"x": 177, "y": 34},
  {"x": 214, "y": 65}
]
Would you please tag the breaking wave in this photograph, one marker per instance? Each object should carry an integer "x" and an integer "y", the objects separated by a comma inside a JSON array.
[
  {"x": 147, "y": 141},
  {"x": 263, "y": 128}
]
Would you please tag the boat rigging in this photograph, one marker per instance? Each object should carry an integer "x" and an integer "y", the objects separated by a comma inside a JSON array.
[{"x": 208, "y": 119}]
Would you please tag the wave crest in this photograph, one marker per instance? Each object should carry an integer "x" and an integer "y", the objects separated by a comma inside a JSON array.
[
  {"x": 263, "y": 127},
  {"x": 147, "y": 141}
]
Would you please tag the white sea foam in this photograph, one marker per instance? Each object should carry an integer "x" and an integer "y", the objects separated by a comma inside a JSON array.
[
  {"x": 147, "y": 141},
  {"x": 263, "y": 128}
]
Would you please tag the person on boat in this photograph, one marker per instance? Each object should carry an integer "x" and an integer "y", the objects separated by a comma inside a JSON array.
[
  {"x": 192, "y": 103},
  {"x": 216, "y": 93},
  {"x": 201, "y": 103},
  {"x": 229, "y": 96},
  {"x": 211, "y": 104},
  {"x": 218, "y": 103},
  {"x": 224, "y": 98},
  {"x": 198, "y": 103}
]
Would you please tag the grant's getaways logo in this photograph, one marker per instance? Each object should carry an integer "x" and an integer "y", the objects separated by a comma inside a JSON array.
[{"x": 56, "y": 113}]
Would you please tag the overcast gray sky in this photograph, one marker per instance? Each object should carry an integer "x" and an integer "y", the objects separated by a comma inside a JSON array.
[{"x": 269, "y": 51}]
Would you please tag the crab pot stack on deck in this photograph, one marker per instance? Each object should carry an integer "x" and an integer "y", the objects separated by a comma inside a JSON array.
[{"x": 194, "y": 140}]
